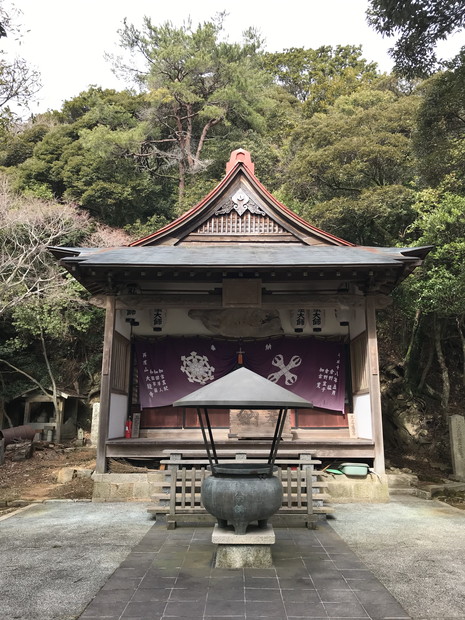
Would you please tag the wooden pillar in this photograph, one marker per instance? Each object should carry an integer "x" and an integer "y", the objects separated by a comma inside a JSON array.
[
  {"x": 27, "y": 412},
  {"x": 105, "y": 385},
  {"x": 374, "y": 385}
]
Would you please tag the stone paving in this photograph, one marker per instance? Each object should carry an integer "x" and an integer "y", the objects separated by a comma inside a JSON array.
[{"x": 170, "y": 574}]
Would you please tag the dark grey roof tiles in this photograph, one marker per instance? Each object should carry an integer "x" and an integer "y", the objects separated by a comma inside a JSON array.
[{"x": 237, "y": 256}]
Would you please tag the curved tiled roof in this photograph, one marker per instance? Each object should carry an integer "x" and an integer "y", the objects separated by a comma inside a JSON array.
[{"x": 239, "y": 164}]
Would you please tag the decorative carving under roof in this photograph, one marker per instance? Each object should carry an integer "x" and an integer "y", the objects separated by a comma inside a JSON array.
[{"x": 241, "y": 203}]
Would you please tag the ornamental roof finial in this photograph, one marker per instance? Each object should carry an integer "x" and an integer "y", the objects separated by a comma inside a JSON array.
[{"x": 243, "y": 156}]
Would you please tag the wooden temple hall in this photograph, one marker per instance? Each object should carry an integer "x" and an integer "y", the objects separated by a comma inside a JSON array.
[{"x": 240, "y": 280}]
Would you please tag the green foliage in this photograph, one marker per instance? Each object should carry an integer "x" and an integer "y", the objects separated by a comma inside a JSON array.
[
  {"x": 198, "y": 84},
  {"x": 108, "y": 106},
  {"x": 363, "y": 141},
  {"x": 378, "y": 216},
  {"x": 439, "y": 286},
  {"x": 58, "y": 315},
  {"x": 317, "y": 77},
  {"x": 140, "y": 229},
  {"x": 48, "y": 328},
  {"x": 440, "y": 137},
  {"x": 17, "y": 147},
  {"x": 87, "y": 158},
  {"x": 419, "y": 25}
]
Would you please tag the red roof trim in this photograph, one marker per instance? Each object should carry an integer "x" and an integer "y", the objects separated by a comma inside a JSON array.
[
  {"x": 188, "y": 214},
  {"x": 297, "y": 218},
  {"x": 198, "y": 207}
]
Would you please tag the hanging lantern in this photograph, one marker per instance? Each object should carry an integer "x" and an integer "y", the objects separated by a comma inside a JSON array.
[
  {"x": 343, "y": 315},
  {"x": 131, "y": 317},
  {"x": 298, "y": 319},
  {"x": 317, "y": 319},
  {"x": 158, "y": 319}
]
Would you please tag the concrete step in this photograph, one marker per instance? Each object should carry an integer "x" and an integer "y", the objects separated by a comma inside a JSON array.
[
  {"x": 430, "y": 490},
  {"x": 401, "y": 480},
  {"x": 403, "y": 491}
]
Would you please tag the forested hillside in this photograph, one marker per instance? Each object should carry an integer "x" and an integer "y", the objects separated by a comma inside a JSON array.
[{"x": 373, "y": 158}]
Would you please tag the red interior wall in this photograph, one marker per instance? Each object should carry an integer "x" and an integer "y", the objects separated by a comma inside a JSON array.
[{"x": 178, "y": 417}]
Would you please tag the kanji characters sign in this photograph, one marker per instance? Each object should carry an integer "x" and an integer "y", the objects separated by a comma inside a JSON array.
[{"x": 170, "y": 368}]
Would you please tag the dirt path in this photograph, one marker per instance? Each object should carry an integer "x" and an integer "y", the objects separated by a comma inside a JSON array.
[{"x": 35, "y": 478}]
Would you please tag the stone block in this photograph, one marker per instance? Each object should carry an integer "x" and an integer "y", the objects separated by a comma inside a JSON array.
[
  {"x": 126, "y": 478},
  {"x": 156, "y": 476},
  {"x": 66, "y": 474},
  {"x": 121, "y": 492},
  {"x": 254, "y": 536},
  {"x": 141, "y": 491},
  {"x": 372, "y": 489},
  {"x": 457, "y": 445},
  {"x": 243, "y": 556},
  {"x": 100, "y": 477},
  {"x": 84, "y": 473},
  {"x": 95, "y": 424},
  {"x": 101, "y": 491},
  {"x": 400, "y": 480}
]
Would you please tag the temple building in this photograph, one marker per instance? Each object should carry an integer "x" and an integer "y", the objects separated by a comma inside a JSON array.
[{"x": 240, "y": 280}]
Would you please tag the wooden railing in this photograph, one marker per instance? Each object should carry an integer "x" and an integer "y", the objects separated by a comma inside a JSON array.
[{"x": 179, "y": 495}]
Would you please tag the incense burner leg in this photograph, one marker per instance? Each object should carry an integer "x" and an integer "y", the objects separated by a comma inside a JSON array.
[{"x": 240, "y": 527}]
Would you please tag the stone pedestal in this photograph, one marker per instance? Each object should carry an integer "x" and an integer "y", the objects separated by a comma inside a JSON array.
[
  {"x": 95, "y": 423},
  {"x": 457, "y": 446},
  {"x": 250, "y": 550}
]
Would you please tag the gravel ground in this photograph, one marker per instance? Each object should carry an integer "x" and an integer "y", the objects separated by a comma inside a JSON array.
[
  {"x": 415, "y": 547},
  {"x": 57, "y": 555}
]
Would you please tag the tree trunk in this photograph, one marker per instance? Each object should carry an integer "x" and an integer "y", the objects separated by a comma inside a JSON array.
[
  {"x": 459, "y": 322},
  {"x": 3, "y": 413},
  {"x": 442, "y": 366},
  {"x": 182, "y": 181},
  {"x": 410, "y": 365},
  {"x": 2, "y": 401},
  {"x": 56, "y": 408},
  {"x": 427, "y": 367},
  {"x": 203, "y": 136}
]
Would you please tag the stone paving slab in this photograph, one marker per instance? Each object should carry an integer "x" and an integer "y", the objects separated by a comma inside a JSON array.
[{"x": 171, "y": 574}]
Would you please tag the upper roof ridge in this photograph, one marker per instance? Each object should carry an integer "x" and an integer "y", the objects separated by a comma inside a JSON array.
[{"x": 240, "y": 156}]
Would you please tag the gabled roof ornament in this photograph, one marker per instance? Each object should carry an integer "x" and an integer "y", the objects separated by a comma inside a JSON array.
[
  {"x": 240, "y": 156},
  {"x": 240, "y": 202}
]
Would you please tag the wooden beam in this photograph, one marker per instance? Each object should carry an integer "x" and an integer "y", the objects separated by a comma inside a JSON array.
[
  {"x": 290, "y": 300},
  {"x": 374, "y": 385},
  {"x": 105, "y": 386},
  {"x": 195, "y": 239}
]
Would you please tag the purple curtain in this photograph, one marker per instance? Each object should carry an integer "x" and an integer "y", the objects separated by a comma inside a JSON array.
[{"x": 171, "y": 368}]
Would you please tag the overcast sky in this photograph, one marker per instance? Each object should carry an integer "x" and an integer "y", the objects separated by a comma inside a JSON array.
[{"x": 66, "y": 41}]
